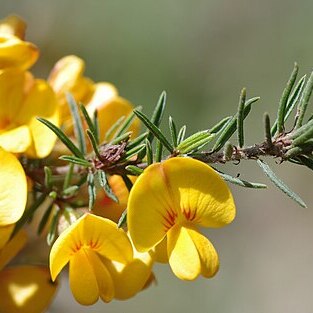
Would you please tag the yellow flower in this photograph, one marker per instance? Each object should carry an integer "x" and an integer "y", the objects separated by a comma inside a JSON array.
[
  {"x": 14, "y": 51},
  {"x": 170, "y": 200},
  {"x": 24, "y": 98},
  {"x": 13, "y": 190},
  {"x": 89, "y": 244},
  {"x": 23, "y": 288},
  {"x": 67, "y": 76}
]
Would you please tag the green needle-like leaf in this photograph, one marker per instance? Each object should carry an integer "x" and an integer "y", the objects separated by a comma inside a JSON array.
[
  {"x": 103, "y": 181},
  {"x": 114, "y": 127},
  {"x": 126, "y": 123},
  {"x": 89, "y": 122},
  {"x": 133, "y": 143},
  {"x": 68, "y": 143},
  {"x": 158, "y": 113},
  {"x": 240, "y": 117},
  {"x": 240, "y": 182},
  {"x": 96, "y": 125},
  {"x": 53, "y": 227},
  {"x": 291, "y": 103},
  {"x": 304, "y": 101},
  {"x": 231, "y": 125},
  {"x": 123, "y": 219},
  {"x": 75, "y": 160},
  {"x": 181, "y": 134},
  {"x": 194, "y": 141},
  {"x": 219, "y": 126},
  {"x": 91, "y": 190},
  {"x": 280, "y": 184},
  {"x": 149, "y": 153},
  {"x": 173, "y": 131},
  {"x": 78, "y": 125},
  {"x": 48, "y": 177},
  {"x": 132, "y": 152},
  {"x": 93, "y": 142},
  {"x": 134, "y": 170},
  {"x": 284, "y": 99},
  {"x": 158, "y": 151},
  {"x": 155, "y": 131},
  {"x": 123, "y": 137}
]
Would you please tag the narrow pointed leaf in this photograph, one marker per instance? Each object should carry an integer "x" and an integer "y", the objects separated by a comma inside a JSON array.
[
  {"x": 149, "y": 153},
  {"x": 78, "y": 125},
  {"x": 173, "y": 131},
  {"x": 155, "y": 130},
  {"x": 280, "y": 184},
  {"x": 181, "y": 134},
  {"x": 126, "y": 123},
  {"x": 91, "y": 190},
  {"x": 134, "y": 151},
  {"x": 89, "y": 122},
  {"x": 217, "y": 127},
  {"x": 53, "y": 227},
  {"x": 68, "y": 143},
  {"x": 292, "y": 102},
  {"x": 194, "y": 141},
  {"x": 284, "y": 99},
  {"x": 96, "y": 125},
  {"x": 133, "y": 143},
  {"x": 114, "y": 127},
  {"x": 240, "y": 118},
  {"x": 304, "y": 101},
  {"x": 75, "y": 160},
  {"x": 134, "y": 170},
  {"x": 123, "y": 137},
  {"x": 231, "y": 126},
  {"x": 93, "y": 142},
  {"x": 158, "y": 113},
  {"x": 158, "y": 151},
  {"x": 123, "y": 219},
  {"x": 48, "y": 177},
  {"x": 240, "y": 182},
  {"x": 105, "y": 185}
]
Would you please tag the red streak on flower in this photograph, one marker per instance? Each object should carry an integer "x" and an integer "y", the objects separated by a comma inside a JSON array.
[
  {"x": 169, "y": 219},
  {"x": 190, "y": 215}
]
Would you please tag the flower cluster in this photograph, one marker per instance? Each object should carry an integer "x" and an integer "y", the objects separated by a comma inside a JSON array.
[{"x": 166, "y": 204}]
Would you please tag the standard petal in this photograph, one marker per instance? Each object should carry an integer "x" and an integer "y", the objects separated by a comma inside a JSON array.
[
  {"x": 100, "y": 234},
  {"x": 12, "y": 82},
  {"x": 12, "y": 183},
  {"x": 12, "y": 248},
  {"x": 15, "y": 52},
  {"x": 204, "y": 197},
  {"x": 89, "y": 278},
  {"x": 26, "y": 289},
  {"x": 208, "y": 255},
  {"x": 151, "y": 210},
  {"x": 182, "y": 253},
  {"x": 103, "y": 92},
  {"x": 40, "y": 102}
]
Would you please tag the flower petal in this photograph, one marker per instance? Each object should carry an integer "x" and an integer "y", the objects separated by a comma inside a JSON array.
[
  {"x": 208, "y": 255},
  {"x": 183, "y": 255},
  {"x": 13, "y": 25},
  {"x": 12, "y": 248},
  {"x": 12, "y": 183},
  {"x": 89, "y": 278},
  {"x": 5, "y": 234},
  {"x": 101, "y": 234},
  {"x": 15, "y": 52},
  {"x": 26, "y": 289},
  {"x": 16, "y": 140},
  {"x": 151, "y": 209},
  {"x": 40, "y": 102},
  {"x": 204, "y": 197}
]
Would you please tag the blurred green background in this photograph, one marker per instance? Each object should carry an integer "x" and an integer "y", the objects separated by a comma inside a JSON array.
[{"x": 202, "y": 53}]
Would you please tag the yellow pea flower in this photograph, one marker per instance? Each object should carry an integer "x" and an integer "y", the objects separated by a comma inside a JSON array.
[
  {"x": 14, "y": 51},
  {"x": 87, "y": 245},
  {"x": 68, "y": 76},
  {"x": 170, "y": 200},
  {"x": 13, "y": 190},
  {"x": 23, "y": 99},
  {"x": 26, "y": 288},
  {"x": 23, "y": 288}
]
